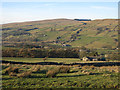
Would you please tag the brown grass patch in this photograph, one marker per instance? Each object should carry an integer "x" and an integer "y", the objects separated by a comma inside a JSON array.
[
  {"x": 64, "y": 69},
  {"x": 25, "y": 74},
  {"x": 86, "y": 72},
  {"x": 12, "y": 74},
  {"x": 12, "y": 69},
  {"x": 51, "y": 73},
  {"x": 76, "y": 65},
  {"x": 86, "y": 67},
  {"x": 110, "y": 68},
  {"x": 36, "y": 68}
]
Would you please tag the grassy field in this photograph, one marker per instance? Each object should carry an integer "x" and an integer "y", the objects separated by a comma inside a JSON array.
[
  {"x": 77, "y": 76},
  {"x": 58, "y": 60},
  {"x": 64, "y": 60},
  {"x": 95, "y": 34}
]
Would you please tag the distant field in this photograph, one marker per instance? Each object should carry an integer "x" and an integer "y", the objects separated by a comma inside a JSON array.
[
  {"x": 91, "y": 34},
  {"x": 58, "y": 60},
  {"x": 64, "y": 60}
]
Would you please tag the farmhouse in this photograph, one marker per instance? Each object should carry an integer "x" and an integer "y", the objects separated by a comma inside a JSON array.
[
  {"x": 88, "y": 59},
  {"x": 66, "y": 45},
  {"x": 93, "y": 59}
]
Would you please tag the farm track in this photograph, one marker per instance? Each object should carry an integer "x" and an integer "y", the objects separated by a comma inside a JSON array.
[{"x": 55, "y": 63}]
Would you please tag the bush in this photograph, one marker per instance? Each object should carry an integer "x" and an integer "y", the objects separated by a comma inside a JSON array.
[{"x": 64, "y": 69}]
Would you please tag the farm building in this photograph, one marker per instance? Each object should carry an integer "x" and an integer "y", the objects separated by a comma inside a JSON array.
[
  {"x": 93, "y": 59},
  {"x": 66, "y": 45}
]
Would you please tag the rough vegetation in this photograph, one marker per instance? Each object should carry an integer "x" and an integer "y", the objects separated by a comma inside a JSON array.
[
  {"x": 52, "y": 73},
  {"x": 11, "y": 69},
  {"x": 64, "y": 69},
  {"x": 52, "y": 76},
  {"x": 24, "y": 74}
]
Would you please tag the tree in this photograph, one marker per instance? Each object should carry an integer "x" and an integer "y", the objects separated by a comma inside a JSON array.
[{"x": 82, "y": 53}]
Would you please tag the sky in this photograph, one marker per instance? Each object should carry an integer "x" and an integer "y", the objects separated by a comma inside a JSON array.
[{"x": 32, "y": 11}]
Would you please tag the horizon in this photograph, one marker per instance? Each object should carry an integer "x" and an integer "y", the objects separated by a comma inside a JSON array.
[
  {"x": 15, "y": 12},
  {"x": 53, "y": 19}
]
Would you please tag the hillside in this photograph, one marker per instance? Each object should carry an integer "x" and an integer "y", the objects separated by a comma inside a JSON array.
[{"x": 91, "y": 34}]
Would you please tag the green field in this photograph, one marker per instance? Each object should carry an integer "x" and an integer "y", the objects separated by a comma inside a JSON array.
[
  {"x": 77, "y": 77},
  {"x": 95, "y": 34},
  {"x": 64, "y": 60},
  {"x": 58, "y": 60}
]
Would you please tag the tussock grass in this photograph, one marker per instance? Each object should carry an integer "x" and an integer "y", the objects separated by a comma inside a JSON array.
[
  {"x": 36, "y": 68},
  {"x": 25, "y": 74},
  {"x": 64, "y": 69},
  {"x": 12, "y": 74},
  {"x": 92, "y": 67},
  {"x": 77, "y": 65},
  {"x": 52, "y": 73},
  {"x": 86, "y": 67},
  {"x": 11, "y": 69},
  {"x": 87, "y": 73},
  {"x": 110, "y": 68},
  {"x": 83, "y": 77}
]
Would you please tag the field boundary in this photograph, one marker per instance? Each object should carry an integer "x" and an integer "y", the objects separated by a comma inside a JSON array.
[{"x": 55, "y": 63}]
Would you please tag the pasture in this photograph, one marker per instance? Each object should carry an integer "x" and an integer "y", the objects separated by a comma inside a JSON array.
[
  {"x": 57, "y": 76},
  {"x": 33, "y": 60}
]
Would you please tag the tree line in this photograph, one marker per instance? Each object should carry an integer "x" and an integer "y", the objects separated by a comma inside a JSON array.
[
  {"x": 55, "y": 53},
  {"x": 40, "y": 53}
]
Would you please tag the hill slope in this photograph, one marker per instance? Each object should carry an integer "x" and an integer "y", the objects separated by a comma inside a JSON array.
[{"x": 91, "y": 34}]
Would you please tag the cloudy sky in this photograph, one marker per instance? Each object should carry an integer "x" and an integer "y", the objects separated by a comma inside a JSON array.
[{"x": 31, "y": 11}]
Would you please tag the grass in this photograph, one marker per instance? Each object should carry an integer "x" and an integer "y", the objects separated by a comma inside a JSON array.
[
  {"x": 52, "y": 73},
  {"x": 64, "y": 60},
  {"x": 58, "y": 60},
  {"x": 78, "y": 77},
  {"x": 65, "y": 28}
]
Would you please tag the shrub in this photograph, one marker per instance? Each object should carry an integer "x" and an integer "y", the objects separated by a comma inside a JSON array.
[
  {"x": 25, "y": 74},
  {"x": 64, "y": 69}
]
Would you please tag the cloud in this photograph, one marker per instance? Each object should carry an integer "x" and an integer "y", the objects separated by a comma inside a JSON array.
[
  {"x": 102, "y": 7},
  {"x": 60, "y": 0},
  {"x": 48, "y": 4}
]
